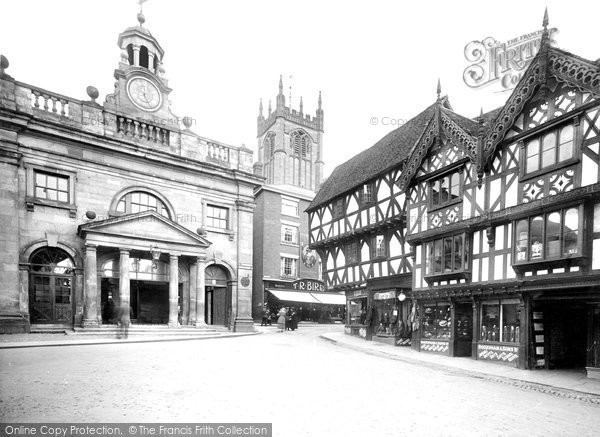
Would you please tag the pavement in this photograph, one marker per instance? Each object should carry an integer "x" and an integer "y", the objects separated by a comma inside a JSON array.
[{"x": 567, "y": 383}]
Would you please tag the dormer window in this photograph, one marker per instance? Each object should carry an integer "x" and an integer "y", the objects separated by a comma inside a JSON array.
[{"x": 445, "y": 190}]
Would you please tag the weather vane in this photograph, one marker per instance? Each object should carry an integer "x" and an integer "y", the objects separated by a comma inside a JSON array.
[{"x": 141, "y": 2}]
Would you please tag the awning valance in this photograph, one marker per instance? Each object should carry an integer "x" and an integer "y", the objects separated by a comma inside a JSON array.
[{"x": 305, "y": 297}]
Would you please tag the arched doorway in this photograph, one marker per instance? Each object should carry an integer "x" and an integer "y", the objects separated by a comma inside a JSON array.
[
  {"x": 51, "y": 286},
  {"x": 218, "y": 296}
]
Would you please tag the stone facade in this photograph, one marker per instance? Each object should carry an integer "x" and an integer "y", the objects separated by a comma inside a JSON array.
[{"x": 92, "y": 184}]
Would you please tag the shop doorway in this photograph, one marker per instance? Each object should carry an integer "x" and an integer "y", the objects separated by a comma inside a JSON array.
[
  {"x": 463, "y": 334},
  {"x": 50, "y": 287},
  {"x": 566, "y": 332}
]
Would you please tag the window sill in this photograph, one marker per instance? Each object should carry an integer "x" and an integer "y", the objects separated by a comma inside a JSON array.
[
  {"x": 575, "y": 260},
  {"x": 445, "y": 205},
  {"x": 30, "y": 203},
  {"x": 228, "y": 232},
  {"x": 447, "y": 276},
  {"x": 538, "y": 173},
  {"x": 287, "y": 243},
  {"x": 288, "y": 277}
]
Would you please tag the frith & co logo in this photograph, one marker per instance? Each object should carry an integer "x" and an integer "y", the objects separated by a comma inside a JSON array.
[{"x": 493, "y": 61}]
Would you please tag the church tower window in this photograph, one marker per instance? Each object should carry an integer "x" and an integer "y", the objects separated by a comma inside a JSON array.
[{"x": 300, "y": 143}]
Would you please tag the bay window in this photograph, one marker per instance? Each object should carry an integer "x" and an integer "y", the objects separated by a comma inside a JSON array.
[
  {"x": 446, "y": 255},
  {"x": 549, "y": 236}
]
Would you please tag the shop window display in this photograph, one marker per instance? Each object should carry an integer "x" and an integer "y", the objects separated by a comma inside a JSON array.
[
  {"x": 500, "y": 321},
  {"x": 437, "y": 321},
  {"x": 357, "y": 311}
]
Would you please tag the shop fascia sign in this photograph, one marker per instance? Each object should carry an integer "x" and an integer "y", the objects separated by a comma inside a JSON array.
[
  {"x": 385, "y": 295},
  {"x": 308, "y": 285}
]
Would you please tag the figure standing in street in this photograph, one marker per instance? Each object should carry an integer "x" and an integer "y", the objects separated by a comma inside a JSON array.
[
  {"x": 265, "y": 316},
  {"x": 281, "y": 319}
]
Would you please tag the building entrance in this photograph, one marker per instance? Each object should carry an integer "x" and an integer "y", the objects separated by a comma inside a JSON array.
[{"x": 566, "y": 331}]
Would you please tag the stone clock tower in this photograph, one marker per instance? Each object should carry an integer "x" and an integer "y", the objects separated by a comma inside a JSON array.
[{"x": 141, "y": 89}]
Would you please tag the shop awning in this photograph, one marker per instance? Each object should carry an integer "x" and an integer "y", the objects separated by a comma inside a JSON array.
[
  {"x": 293, "y": 296},
  {"x": 306, "y": 297},
  {"x": 330, "y": 298}
]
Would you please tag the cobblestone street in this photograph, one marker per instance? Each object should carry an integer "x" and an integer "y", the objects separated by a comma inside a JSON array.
[{"x": 297, "y": 381}]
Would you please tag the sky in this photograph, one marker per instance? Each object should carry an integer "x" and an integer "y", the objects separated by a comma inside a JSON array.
[{"x": 377, "y": 63}]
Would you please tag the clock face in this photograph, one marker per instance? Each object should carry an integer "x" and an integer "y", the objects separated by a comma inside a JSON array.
[{"x": 144, "y": 94}]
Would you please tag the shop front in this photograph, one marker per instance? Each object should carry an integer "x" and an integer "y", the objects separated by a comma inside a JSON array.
[
  {"x": 480, "y": 327},
  {"x": 356, "y": 312},
  {"x": 307, "y": 298},
  {"x": 391, "y": 312}
]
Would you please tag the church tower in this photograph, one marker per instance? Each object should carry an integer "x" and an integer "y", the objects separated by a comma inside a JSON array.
[
  {"x": 141, "y": 88},
  {"x": 290, "y": 144}
]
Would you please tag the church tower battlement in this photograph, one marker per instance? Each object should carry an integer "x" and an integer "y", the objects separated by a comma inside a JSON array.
[{"x": 290, "y": 144}]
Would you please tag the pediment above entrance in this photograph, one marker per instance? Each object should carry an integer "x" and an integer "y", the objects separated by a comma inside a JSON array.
[{"x": 141, "y": 230}]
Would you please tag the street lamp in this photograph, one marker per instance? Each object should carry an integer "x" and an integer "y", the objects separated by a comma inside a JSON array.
[
  {"x": 401, "y": 297},
  {"x": 155, "y": 256}
]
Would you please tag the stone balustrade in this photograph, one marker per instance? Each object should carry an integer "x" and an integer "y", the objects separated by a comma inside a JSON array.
[
  {"x": 49, "y": 102},
  {"x": 143, "y": 131},
  {"x": 217, "y": 153}
]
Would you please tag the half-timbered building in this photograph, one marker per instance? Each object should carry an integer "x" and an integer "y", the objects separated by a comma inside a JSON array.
[{"x": 502, "y": 216}]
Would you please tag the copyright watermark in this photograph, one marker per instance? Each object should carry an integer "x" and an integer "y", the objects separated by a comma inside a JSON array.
[{"x": 387, "y": 121}]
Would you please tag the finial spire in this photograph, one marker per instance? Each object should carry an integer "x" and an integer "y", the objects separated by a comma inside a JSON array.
[
  {"x": 301, "y": 106},
  {"x": 270, "y": 110},
  {"x": 260, "y": 109},
  {"x": 439, "y": 89},
  {"x": 545, "y": 33},
  {"x": 281, "y": 84},
  {"x": 320, "y": 101},
  {"x": 140, "y": 16}
]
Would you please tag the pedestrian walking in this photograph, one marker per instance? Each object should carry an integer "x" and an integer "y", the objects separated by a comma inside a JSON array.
[
  {"x": 124, "y": 320},
  {"x": 281, "y": 319}
]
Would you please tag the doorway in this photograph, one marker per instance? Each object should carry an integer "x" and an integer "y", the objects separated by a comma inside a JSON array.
[
  {"x": 150, "y": 302},
  {"x": 50, "y": 287},
  {"x": 566, "y": 332},
  {"x": 463, "y": 333}
]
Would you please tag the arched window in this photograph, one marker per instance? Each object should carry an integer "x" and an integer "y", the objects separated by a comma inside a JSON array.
[
  {"x": 144, "y": 56},
  {"x": 50, "y": 282},
  {"x": 51, "y": 260},
  {"x": 300, "y": 143},
  {"x": 139, "y": 201},
  {"x": 130, "y": 53},
  {"x": 269, "y": 145}
]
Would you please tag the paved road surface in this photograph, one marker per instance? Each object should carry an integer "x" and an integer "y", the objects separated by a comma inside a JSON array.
[{"x": 302, "y": 384}]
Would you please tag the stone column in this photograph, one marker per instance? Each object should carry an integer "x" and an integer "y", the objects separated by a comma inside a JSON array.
[
  {"x": 173, "y": 289},
  {"x": 192, "y": 293},
  {"x": 124, "y": 292},
  {"x": 200, "y": 295},
  {"x": 136, "y": 56},
  {"x": 151, "y": 61},
  {"x": 90, "y": 308}
]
